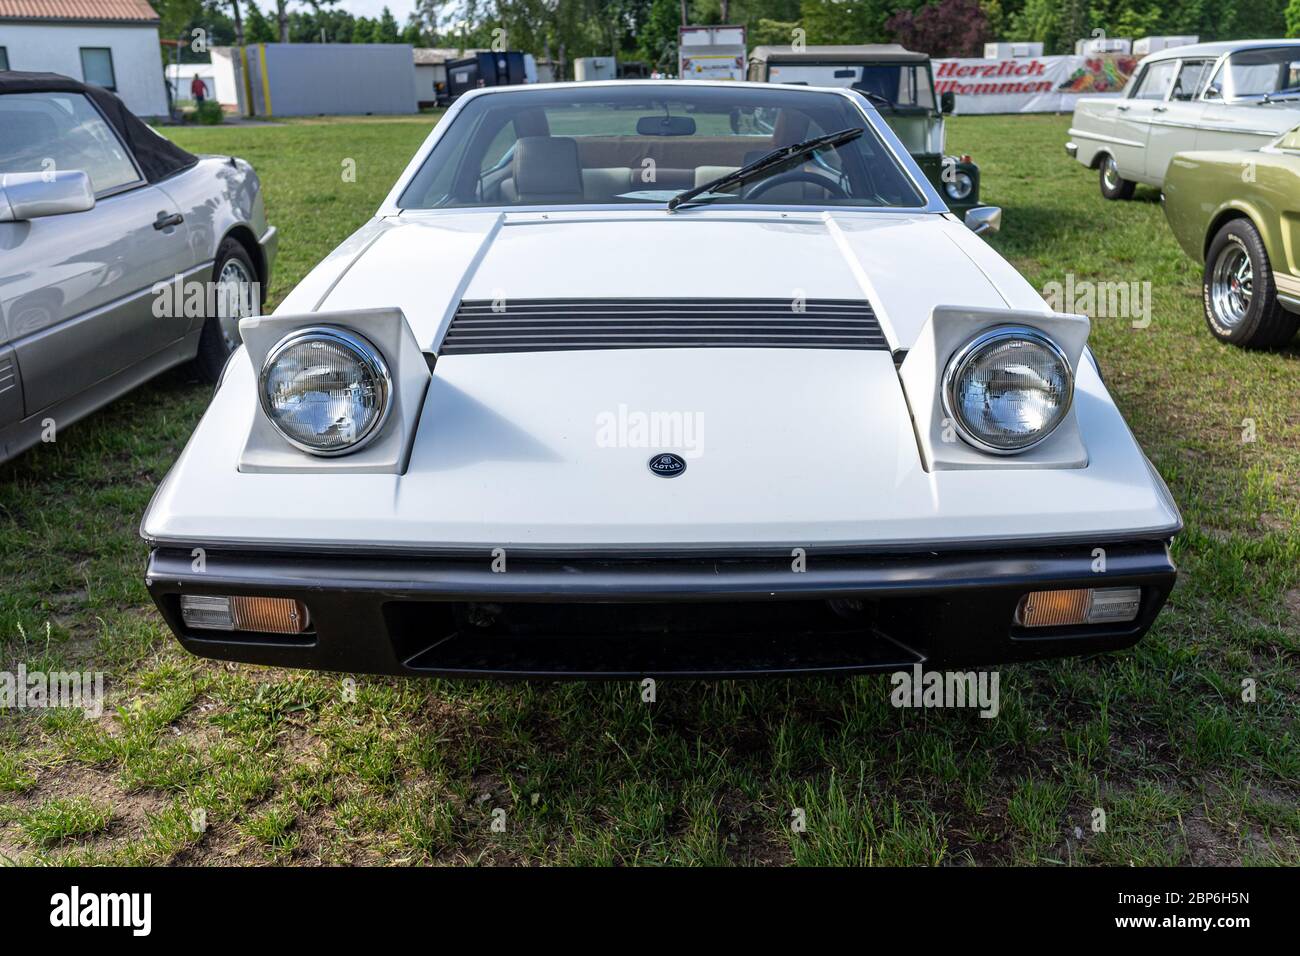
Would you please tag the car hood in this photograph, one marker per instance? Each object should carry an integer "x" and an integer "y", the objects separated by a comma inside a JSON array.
[
  {"x": 426, "y": 263},
  {"x": 556, "y": 450}
]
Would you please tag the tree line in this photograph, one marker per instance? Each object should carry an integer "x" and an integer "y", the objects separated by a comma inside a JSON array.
[{"x": 646, "y": 30}]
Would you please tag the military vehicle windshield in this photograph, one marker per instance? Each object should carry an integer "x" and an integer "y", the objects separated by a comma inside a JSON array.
[{"x": 905, "y": 85}]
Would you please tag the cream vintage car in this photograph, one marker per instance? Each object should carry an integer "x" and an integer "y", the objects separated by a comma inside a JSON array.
[{"x": 1206, "y": 96}]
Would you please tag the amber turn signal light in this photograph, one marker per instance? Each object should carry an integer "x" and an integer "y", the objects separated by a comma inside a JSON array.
[
  {"x": 261, "y": 615},
  {"x": 1078, "y": 606}
]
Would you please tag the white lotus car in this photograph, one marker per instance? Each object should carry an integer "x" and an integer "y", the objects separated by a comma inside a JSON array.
[{"x": 667, "y": 379}]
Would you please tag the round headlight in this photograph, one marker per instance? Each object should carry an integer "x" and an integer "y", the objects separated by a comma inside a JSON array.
[
  {"x": 1007, "y": 389},
  {"x": 326, "y": 390},
  {"x": 960, "y": 186}
]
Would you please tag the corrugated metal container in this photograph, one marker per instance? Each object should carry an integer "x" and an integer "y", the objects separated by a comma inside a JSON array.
[
  {"x": 308, "y": 79},
  {"x": 595, "y": 68}
]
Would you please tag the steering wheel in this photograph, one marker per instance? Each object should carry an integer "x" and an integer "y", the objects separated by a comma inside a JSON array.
[{"x": 798, "y": 176}]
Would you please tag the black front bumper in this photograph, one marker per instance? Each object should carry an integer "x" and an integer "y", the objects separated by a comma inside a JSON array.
[{"x": 571, "y": 617}]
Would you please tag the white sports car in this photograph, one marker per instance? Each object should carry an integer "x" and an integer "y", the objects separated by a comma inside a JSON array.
[{"x": 667, "y": 379}]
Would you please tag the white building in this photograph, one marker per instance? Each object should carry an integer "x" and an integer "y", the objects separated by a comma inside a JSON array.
[
  {"x": 111, "y": 43},
  {"x": 181, "y": 76}
]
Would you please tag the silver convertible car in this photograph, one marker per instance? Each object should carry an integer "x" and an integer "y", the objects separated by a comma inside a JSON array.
[
  {"x": 660, "y": 379},
  {"x": 121, "y": 255}
]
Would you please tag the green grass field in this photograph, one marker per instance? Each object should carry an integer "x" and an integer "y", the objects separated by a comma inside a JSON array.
[{"x": 197, "y": 762}]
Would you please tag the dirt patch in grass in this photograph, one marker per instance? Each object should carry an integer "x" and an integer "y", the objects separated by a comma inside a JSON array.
[{"x": 68, "y": 781}]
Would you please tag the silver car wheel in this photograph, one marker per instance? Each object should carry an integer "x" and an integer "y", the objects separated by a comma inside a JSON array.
[
  {"x": 1231, "y": 285},
  {"x": 234, "y": 300},
  {"x": 1110, "y": 174}
]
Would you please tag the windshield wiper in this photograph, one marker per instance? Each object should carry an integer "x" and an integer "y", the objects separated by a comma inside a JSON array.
[
  {"x": 778, "y": 160},
  {"x": 877, "y": 99}
]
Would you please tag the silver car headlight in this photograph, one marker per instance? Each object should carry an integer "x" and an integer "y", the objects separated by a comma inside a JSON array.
[
  {"x": 326, "y": 390},
  {"x": 1007, "y": 389},
  {"x": 960, "y": 186}
]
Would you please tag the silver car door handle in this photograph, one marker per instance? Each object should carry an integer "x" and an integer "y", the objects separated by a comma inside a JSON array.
[
  {"x": 1122, "y": 109},
  {"x": 1159, "y": 109},
  {"x": 165, "y": 220}
]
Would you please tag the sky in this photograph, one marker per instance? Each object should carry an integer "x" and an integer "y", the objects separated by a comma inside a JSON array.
[{"x": 372, "y": 8}]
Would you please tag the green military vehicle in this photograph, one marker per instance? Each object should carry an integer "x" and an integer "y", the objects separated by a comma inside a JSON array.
[{"x": 900, "y": 84}]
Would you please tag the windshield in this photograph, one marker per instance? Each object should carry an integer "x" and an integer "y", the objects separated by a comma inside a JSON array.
[
  {"x": 900, "y": 84},
  {"x": 647, "y": 144},
  {"x": 1255, "y": 74}
]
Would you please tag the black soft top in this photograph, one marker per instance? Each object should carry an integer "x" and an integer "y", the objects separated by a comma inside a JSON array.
[{"x": 158, "y": 157}]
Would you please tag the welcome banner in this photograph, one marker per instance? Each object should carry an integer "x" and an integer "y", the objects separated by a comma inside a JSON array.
[{"x": 1040, "y": 84}]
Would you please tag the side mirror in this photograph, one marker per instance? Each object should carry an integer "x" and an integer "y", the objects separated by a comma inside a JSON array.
[
  {"x": 984, "y": 220},
  {"x": 947, "y": 102},
  {"x": 35, "y": 195},
  {"x": 1212, "y": 92}
]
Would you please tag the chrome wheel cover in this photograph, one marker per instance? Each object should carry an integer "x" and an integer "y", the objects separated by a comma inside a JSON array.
[
  {"x": 234, "y": 300},
  {"x": 1110, "y": 174},
  {"x": 1231, "y": 285}
]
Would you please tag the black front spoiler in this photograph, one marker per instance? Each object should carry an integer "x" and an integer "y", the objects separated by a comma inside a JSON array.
[{"x": 576, "y": 617}]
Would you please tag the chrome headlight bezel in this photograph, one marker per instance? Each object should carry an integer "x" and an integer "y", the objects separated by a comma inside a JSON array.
[
  {"x": 960, "y": 179},
  {"x": 960, "y": 359},
  {"x": 367, "y": 355}
]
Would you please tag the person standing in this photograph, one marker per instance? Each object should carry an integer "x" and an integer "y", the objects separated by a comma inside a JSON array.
[{"x": 198, "y": 90}]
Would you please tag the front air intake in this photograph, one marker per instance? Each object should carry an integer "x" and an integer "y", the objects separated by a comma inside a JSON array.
[{"x": 549, "y": 325}]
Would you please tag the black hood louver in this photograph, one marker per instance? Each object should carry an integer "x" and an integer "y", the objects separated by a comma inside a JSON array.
[{"x": 548, "y": 325}]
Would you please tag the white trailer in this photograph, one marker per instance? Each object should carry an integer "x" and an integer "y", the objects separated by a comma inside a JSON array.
[
  {"x": 1155, "y": 44},
  {"x": 1003, "y": 50},
  {"x": 1095, "y": 46},
  {"x": 711, "y": 53}
]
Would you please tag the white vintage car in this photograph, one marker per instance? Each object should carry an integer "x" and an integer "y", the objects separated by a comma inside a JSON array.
[
  {"x": 660, "y": 378},
  {"x": 1207, "y": 96}
]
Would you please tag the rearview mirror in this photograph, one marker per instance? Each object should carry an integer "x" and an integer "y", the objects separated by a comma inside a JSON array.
[
  {"x": 947, "y": 101},
  {"x": 665, "y": 126},
  {"x": 35, "y": 195},
  {"x": 984, "y": 220}
]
